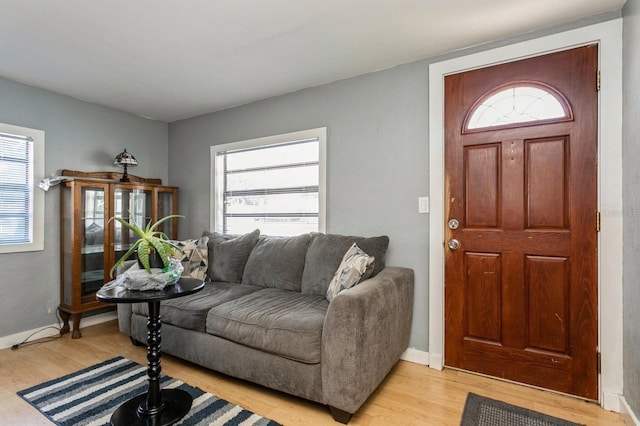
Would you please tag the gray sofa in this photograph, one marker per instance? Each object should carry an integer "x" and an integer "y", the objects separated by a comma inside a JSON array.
[{"x": 264, "y": 317}]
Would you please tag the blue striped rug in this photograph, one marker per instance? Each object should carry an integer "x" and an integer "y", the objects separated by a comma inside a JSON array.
[{"x": 90, "y": 396}]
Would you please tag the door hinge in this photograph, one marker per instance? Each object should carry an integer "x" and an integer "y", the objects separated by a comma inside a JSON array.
[
  {"x": 598, "y": 81},
  {"x": 597, "y": 221},
  {"x": 599, "y": 361}
]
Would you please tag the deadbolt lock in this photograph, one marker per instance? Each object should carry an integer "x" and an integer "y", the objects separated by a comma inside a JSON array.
[{"x": 453, "y": 224}]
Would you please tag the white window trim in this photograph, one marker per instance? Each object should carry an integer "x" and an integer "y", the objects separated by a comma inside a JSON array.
[
  {"x": 320, "y": 133},
  {"x": 38, "y": 195}
]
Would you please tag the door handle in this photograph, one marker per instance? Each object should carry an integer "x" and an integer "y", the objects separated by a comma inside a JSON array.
[{"x": 454, "y": 244}]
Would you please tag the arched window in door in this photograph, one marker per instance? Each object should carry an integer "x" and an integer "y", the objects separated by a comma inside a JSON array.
[{"x": 516, "y": 103}]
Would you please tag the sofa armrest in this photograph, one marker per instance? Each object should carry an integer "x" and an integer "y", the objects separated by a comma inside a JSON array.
[{"x": 366, "y": 330}]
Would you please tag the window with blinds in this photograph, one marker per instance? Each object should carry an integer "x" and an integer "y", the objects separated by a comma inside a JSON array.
[
  {"x": 274, "y": 184},
  {"x": 20, "y": 222}
]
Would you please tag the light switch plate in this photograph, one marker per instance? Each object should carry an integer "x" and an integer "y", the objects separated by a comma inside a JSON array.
[{"x": 423, "y": 204}]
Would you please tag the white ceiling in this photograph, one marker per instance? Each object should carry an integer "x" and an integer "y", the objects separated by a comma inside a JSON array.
[{"x": 174, "y": 59}]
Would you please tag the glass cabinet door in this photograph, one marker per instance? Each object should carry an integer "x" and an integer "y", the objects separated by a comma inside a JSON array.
[
  {"x": 165, "y": 207},
  {"x": 134, "y": 206},
  {"x": 92, "y": 223}
]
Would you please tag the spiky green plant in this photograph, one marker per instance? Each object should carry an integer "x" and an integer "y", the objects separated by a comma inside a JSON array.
[{"x": 149, "y": 240}]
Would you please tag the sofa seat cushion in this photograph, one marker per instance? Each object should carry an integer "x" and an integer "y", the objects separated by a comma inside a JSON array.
[
  {"x": 190, "y": 311},
  {"x": 285, "y": 323}
]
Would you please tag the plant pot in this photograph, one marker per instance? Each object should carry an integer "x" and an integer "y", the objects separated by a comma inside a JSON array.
[{"x": 155, "y": 260}]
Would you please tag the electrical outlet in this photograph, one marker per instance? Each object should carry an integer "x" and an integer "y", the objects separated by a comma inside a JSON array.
[{"x": 49, "y": 307}]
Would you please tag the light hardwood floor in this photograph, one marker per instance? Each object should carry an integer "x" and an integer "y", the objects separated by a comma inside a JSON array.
[{"x": 412, "y": 394}]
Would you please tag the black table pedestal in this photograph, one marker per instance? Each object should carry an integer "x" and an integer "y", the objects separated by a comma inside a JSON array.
[
  {"x": 176, "y": 405},
  {"x": 156, "y": 407}
]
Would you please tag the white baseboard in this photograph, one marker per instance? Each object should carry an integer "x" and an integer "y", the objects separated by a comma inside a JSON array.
[
  {"x": 611, "y": 401},
  {"x": 436, "y": 361},
  {"x": 53, "y": 329},
  {"x": 415, "y": 355},
  {"x": 627, "y": 413},
  {"x": 421, "y": 357}
]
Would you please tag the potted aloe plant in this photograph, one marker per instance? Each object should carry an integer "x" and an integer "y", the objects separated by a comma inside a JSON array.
[{"x": 151, "y": 243}]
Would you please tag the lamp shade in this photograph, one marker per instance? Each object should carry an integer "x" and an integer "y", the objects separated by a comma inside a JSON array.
[{"x": 125, "y": 159}]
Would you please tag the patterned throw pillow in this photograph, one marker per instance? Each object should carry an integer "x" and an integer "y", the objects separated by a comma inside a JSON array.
[
  {"x": 195, "y": 257},
  {"x": 354, "y": 263}
]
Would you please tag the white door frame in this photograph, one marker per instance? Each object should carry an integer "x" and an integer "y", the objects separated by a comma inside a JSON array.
[{"x": 609, "y": 36}]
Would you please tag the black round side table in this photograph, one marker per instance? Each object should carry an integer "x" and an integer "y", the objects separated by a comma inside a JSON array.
[{"x": 155, "y": 407}]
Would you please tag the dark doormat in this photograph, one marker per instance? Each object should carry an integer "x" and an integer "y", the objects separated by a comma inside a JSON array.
[{"x": 483, "y": 411}]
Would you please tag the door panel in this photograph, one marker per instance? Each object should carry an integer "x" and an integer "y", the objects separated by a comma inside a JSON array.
[
  {"x": 521, "y": 290},
  {"x": 484, "y": 318},
  {"x": 482, "y": 191},
  {"x": 546, "y": 192},
  {"x": 547, "y": 282}
]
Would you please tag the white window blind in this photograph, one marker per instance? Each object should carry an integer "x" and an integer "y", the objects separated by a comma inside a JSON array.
[
  {"x": 16, "y": 189},
  {"x": 274, "y": 187},
  {"x": 21, "y": 203}
]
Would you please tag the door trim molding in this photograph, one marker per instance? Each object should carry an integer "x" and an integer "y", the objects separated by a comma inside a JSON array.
[{"x": 609, "y": 37}]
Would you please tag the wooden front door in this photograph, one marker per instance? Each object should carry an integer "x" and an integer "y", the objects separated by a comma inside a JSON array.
[{"x": 521, "y": 206}]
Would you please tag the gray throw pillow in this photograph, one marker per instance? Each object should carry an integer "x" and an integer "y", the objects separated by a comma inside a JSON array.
[
  {"x": 325, "y": 253},
  {"x": 228, "y": 255},
  {"x": 277, "y": 262}
]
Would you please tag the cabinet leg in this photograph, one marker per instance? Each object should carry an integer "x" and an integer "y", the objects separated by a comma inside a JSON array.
[
  {"x": 65, "y": 321},
  {"x": 76, "y": 326}
]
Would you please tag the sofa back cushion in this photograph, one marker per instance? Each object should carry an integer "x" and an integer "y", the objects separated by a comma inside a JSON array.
[
  {"x": 277, "y": 262},
  {"x": 228, "y": 255},
  {"x": 325, "y": 253}
]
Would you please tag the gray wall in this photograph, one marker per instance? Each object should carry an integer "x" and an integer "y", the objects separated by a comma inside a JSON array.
[
  {"x": 78, "y": 136},
  {"x": 631, "y": 204},
  {"x": 377, "y": 157}
]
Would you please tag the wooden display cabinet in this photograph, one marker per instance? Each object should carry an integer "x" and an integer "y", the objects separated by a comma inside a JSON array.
[{"x": 90, "y": 243}]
